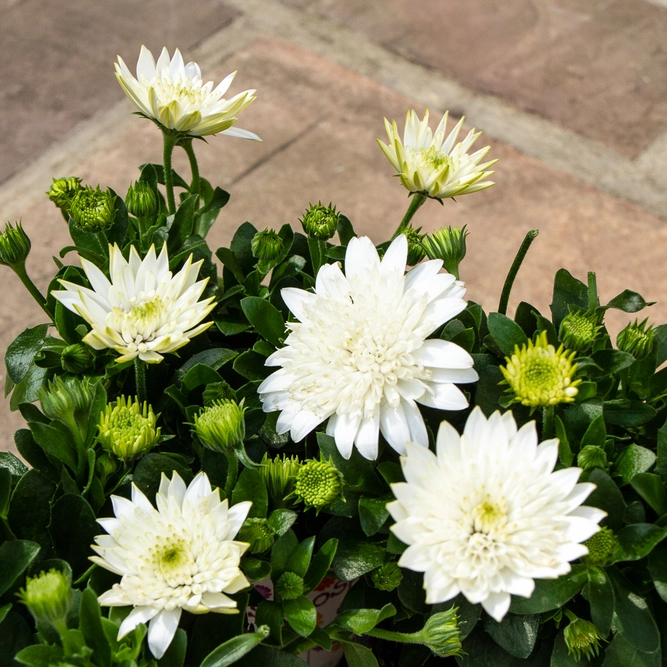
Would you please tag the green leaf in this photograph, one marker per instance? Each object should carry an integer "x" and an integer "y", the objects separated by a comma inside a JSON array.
[
  {"x": 270, "y": 657},
  {"x": 621, "y": 653},
  {"x": 271, "y": 614},
  {"x": 301, "y": 615},
  {"x": 251, "y": 365},
  {"x": 55, "y": 443},
  {"x": 15, "y": 466},
  {"x": 91, "y": 627},
  {"x": 151, "y": 467},
  {"x": 320, "y": 564},
  {"x": 22, "y": 351},
  {"x": 628, "y": 413},
  {"x": 281, "y": 520},
  {"x": 209, "y": 213},
  {"x": 175, "y": 654},
  {"x": 633, "y": 460},
  {"x": 358, "y": 472},
  {"x": 182, "y": 226},
  {"x": 629, "y": 302},
  {"x": 73, "y": 529},
  {"x": 41, "y": 656},
  {"x": 15, "y": 557},
  {"x": 235, "y": 648},
  {"x": 372, "y": 514},
  {"x": 229, "y": 261},
  {"x": 657, "y": 566},
  {"x": 608, "y": 497},
  {"x": 199, "y": 375},
  {"x": 30, "y": 508},
  {"x": 637, "y": 540},
  {"x": 14, "y": 636},
  {"x": 255, "y": 569},
  {"x": 359, "y": 656},
  {"x": 241, "y": 246},
  {"x": 299, "y": 559},
  {"x": 506, "y": 333},
  {"x": 516, "y": 634},
  {"x": 561, "y": 657},
  {"x": 250, "y": 486},
  {"x": 280, "y": 551},
  {"x": 360, "y": 621},
  {"x": 568, "y": 290},
  {"x": 215, "y": 358},
  {"x": 565, "y": 455},
  {"x": 5, "y": 491},
  {"x": 357, "y": 557},
  {"x": 266, "y": 319},
  {"x": 596, "y": 434},
  {"x": 411, "y": 592},
  {"x": 610, "y": 362},
  {"x": 601, "y": 599},
  {"x": 551, "y": 593},
  {"x": 27, "y": 391},
  {"x": 651, "y": 488}
]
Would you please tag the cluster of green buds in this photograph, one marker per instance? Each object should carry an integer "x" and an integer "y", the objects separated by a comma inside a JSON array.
[
  {"x": 14, "y": 246},
  {"x": 581, "y": 638},
  {"x": 600, "y": 547},
  {"x": 278, "y": 474},
  {"x": 127, "y": 428},
  {"x": 68, "y": 399},
  {"x": 579, "y": 329},
  {"x": 258, "y": 534},
  {"x": 320, "y": 222},
  {"x": 449, "y": 245},
  {"x": 637, "y": 339},
  {"x": 266, "y": 245},
  {"x": 63, "y": 190},
  {"x": 221, "y": 426},
  {"x": 140, "y": 200},
  {"x": 48, "y": 596},
  {"x": 317, "y": 483},
  {"x": 387, "y": 577},
  {"x": 92, "y": 210},
  {"x": 416, "y": 251}
]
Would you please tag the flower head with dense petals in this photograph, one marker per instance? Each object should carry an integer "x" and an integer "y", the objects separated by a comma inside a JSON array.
[
  {"x": 358, "y": 356},
  {"x": 179, "y": 556},
  {"x": 431, "y": 163},
  {"x": 143, "y": 311},
  {"x": 487, "y": 515},
  {"x": 173, "y": 95}
]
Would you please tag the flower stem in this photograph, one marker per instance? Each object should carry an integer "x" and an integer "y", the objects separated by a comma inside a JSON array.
[
  {"x": 592, "y": 291},
  {"x": 318, "y": 251},
  {"x": 514, "y": 269},
  {"x": 232, "y": 472},
  {"x": 415, "y": 202},
  {"x": 194, "y": 167},
  {"x": 548, "y": 413},
  {"x": 19, "y": 270},
  {"x": 169, "y": 143},
  {"x": 140, "y": 379}
]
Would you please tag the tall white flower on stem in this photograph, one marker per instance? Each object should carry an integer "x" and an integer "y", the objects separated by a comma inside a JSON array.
[
  {"x": 173, "y": 94},
  {"x": 487, "y": 515},
  {"x": 180, "y": 556},
  {"x": 358, "y": 356},
  {"x": 143, "y": 311},
  {"x": 432, "y": 163}
]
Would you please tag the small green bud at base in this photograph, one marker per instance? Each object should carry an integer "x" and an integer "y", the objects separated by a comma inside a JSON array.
[
  {"x": 278, "y": 474},
  {"x": 600, "y": 547},
  {"x": 14, "y": 246},
  {"x": 127, "y": 428},
  {"x": 289, "y": 586},
  {"x": 449, "y": 245},
  {"x": 581, "y": 638},
  {"x": 592, "y": 457},
  {"x": 47, "y": 596},
  {"x": 92, "y": 210},
  {"x": 221, "y": 426},
  {"x": 258, "y": 534},
  {"x": 416, "y": 250},
  {"x": 320, "y": 222},
  {"x": 387, "y": 577},
  {"x": 75, "y": 358},
  {"x": 63, "y": 190},
  {"x": 140, "y": 200},
  {"x": 579, "y": 329},
  {"x": 637, "y": 339},
  {"x": 317, "y": 484},
  {"x": 266, "y": 245}
]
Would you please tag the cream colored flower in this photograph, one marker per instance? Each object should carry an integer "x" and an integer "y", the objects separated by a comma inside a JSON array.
[
  {"x": 180, "y": 556},
  {"x": 174, "y": 95},
  {"x": 432, "y": 165},
  {"x": 487, "y": 515},
  {"x": 143, "y": 311}
]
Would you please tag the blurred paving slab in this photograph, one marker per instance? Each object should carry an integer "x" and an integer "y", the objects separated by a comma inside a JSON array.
[
  {"x": 57, "y": 61},
  {"x": 319, "y": 122},
  {"x": 598, "y": 68}
]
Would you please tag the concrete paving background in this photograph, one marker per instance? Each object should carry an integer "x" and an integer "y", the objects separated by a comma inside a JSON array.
[{"x": 571, "y": 96}]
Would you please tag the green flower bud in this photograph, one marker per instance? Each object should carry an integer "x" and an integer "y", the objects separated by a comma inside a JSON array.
[
  {"x": 221, "y": 426},
  {"x": 637, "y": 339},
  {"x": 581, "y": 638},
  {"x": 76, "y": 358},
  {"x": 92, "y": 210},
  {"x": 289, "y": 586},
  {"x": 14, "y": 246},
  {"x": 600, "y": 547},
  {"x": 320, "y": 222},
  {"x": 449, "y": 245},
  {"x": 68, "y": 399},
  {"x": 317, "y": 484},
  {"x": 63, "y": 190},
  {"x": 416, "y": 250},
  {"x": 387, "y": 577},
  {"x": 127, "y": 428},
  {"x": 441, "y": 634},
  {"x": 579, "y": 329},
  {"x": 258, "y": 534},
  {"x": 592, "y": 457},
  {"x": 266, "y": 245},
  {"x": 140, "y": 200},
  {"x": 278, "y": 475},
  {"x": 218, "y": 391},
  {"x": 48, "y": 597},
  {"x": 105, "y": 466}
]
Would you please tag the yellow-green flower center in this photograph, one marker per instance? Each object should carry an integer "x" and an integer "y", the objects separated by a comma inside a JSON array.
[
  {"x": 128, "y": 428},
  {"x": 488, "y": 515},
  {"x": 140, "y": 324},
  {"x": 317, "y": 483},
  {"x": 434, "y": 157}
]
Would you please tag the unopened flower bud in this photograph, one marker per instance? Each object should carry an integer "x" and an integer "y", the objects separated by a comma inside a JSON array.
[
  {"x": 140, "y": 200},
  {"x": 581, "y": 638},
  {"x": 48, "y": 597},
  {"x": 320, "y": 222},
  {"x": 416, "y": 250},
  {"x": 278, "y": 474},
  {"x": 317, "y": 484},
  {"x": 68, "y": 399},
  {"x": 105, "y": 466},
  {"x": 14, "y": 246},
  {"x": 75, "y": 358},
  {"x": 128, "y": 428},
  {"x": 387, "y": 577},
  {"x": 441, "y": 634},
  {"x": 221, "y": 426},
  {"x": 92, "y": 210},
  {"x": 449, "y": 245},
  {"x": 600, "y": 547},
  {"x": 579, "y": 329},
  {"x": 637, "y": 339},
  {"x": 289, "y": 586},
  {"x": 258, "y": 534},
  {"x": 266, "y": 245},
  {"x": 592, "y": 457},
  {"x": 63, "y": 190}
]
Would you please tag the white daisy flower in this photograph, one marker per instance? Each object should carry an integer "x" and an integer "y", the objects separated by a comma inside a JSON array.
[
  {"x": 432, "y": 165},
  {"x": 179, "y": 556},
  {"x": 358, "y": 356},
  {"x": 173, "y": 94},
  {"x": 143, "y": 311},
  {"x": 487, "y": 515}
]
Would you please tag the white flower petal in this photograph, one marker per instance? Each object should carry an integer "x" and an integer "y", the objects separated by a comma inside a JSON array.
[
  {"x": 137, "y": 616},
  {"x": 161, "y": 631}
]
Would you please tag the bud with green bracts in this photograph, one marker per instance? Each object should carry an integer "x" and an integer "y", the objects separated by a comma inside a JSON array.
[
  {"x": 581, "y": 638},
  {"x": 68, "y": 399},
  {"x": 449, "y": 245},
  {"x": 290, "y": 586},
  {"x": 600, "y": 547},
  {"x": 279, "y": 474},
  {"x": 320, "y": 222},
  {"x": 14, "y": 246},
  {"x": 416, "y": 251},
  {"x": 92, "y": 210},
  {"x": 140, "y": 200},
  {"x": 267, "y": 245},
  {"x": 63, "y": 190},
  {"x": 637, "y": 339},
  {"x": 387, "y": 577},
  {"x": 221, "y": 426},
  {"x": 579, "y": 329},
  {"x": 48, "y": 596},
  {"x": 76, "y": 358},
  {"x": 317, "y": 483}
]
